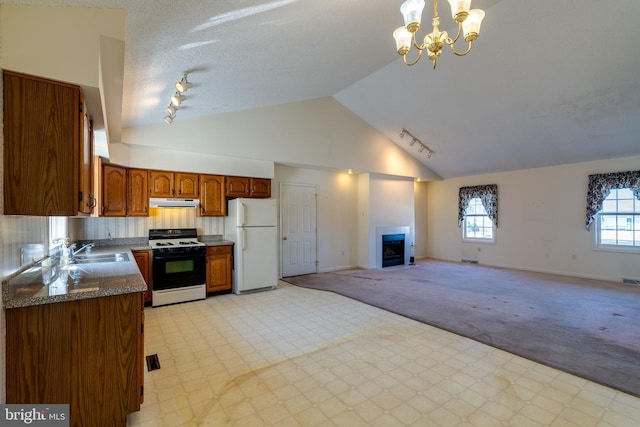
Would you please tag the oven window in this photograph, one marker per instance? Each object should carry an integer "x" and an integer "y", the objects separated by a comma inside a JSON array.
[{"x": 183, "y": 266}]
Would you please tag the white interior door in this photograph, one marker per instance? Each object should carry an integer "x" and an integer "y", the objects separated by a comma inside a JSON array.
[{"x": 299, "y": 233}]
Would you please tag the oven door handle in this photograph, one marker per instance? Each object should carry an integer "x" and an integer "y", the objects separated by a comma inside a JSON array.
[{"x": 174, "y": 257}]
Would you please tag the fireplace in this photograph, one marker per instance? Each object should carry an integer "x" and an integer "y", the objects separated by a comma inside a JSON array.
[{"x": 392, "y": 249}]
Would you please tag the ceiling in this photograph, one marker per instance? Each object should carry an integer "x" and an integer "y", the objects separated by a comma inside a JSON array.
[{"x": 547, "y": 83}]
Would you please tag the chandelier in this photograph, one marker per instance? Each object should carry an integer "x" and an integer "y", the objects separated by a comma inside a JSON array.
[{"x": 468, "y": 26}]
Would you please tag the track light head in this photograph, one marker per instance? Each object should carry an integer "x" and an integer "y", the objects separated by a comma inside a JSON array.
[
  {"x": 168, "y": 119},
  {"x": 403, "y": 133},
  {"x": 422, "y": 147},
  {"x": 171, "y": 109},
  {"x": 413, "y": 141},
  {"x": 183, "y": 84},
  {"x": 177, "y": 99}
]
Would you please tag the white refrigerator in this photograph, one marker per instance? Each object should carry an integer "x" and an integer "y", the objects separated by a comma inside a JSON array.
[{"x": 252, "y": 225}]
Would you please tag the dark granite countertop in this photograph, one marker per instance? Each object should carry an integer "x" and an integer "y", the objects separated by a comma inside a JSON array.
[{"x": 43, "y": 284}]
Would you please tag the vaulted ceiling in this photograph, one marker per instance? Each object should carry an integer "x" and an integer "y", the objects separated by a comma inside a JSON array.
[{"x": 548, "y": 82}]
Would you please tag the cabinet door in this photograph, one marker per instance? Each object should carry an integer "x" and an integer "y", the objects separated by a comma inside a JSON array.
[
  {"x": 161, "y": 184},
  {"x": 114, "y": 190},
  {"x": 219, "y": 268},
  {"x": 85, "y": 353},
  {"x": 237, "y": 186},
  {"x": 212, "y": 199},
  {"x": 143, "y": 259},
  {"x": 41, "y": 146},
  {"x": 186, "y": 185},
  {"x": 137, "y": 193},
  {"x": 260, "y": 187}
]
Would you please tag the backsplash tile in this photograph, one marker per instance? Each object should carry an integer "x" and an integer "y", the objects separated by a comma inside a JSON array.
[{"x": 129, "y": 227}]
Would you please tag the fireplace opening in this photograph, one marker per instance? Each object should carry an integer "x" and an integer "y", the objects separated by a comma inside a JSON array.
[{"x": 392, "y": 249}]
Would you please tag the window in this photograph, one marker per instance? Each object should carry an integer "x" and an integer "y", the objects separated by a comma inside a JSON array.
[
  {"x": 57, "y": 230},
  {"x": 618, "y": 223},
  {"x": 478, "y": 212},
  {"x": 477, "y": 224}
]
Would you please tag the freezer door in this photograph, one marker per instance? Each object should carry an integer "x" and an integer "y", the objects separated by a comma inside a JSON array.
[
  {"x": 256, "y": 265},
  {"x": 253, "y": 212}
]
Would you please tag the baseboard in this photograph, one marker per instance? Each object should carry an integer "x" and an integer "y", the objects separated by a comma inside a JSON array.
[
  {"x": 332, "y": 269},
  {"x": 536, "y": 270}
]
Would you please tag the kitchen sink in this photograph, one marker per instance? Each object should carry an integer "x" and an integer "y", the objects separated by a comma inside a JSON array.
[{"x": 89, "y": 259}]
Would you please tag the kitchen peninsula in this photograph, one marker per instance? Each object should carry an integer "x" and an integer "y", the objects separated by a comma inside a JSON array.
[{"x": 78, "y": 339}]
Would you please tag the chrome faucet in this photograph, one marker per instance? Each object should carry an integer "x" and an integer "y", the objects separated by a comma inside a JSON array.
[{"x": 86, "y": 247}]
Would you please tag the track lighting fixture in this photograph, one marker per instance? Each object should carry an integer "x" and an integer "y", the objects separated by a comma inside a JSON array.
[
  {"x": 414, "y": 140},
  {"x": 183, "y": 84},
  {"x": 177, "y": 99}
]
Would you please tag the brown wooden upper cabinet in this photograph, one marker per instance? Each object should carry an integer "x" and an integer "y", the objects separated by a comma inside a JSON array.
[
  {"x": 212, "y": 196},
  {"x": 242, "y": 186},
  {"x": 114, "y": 190},
  {"x": 47, "y": 148},
  {"x": 260, "y": 187},
  {"x": 161, "y": 184},
  {"x": 186, "y": 185},
  {"x": 137, "y": 192},
  {"x": 173, "y": 184}
]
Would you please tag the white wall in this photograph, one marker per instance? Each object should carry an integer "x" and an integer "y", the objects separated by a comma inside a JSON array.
[
  {"x": 336, "y": 208},
  {"x": 183, "y": 161},
  {"x": 319, "y": 132},
  {"x": 542, "y": 215},
  {"x": 421, "y": 215},
  {"x": 366, "y": 252},
  {"x": 60, "y": 43},
  {"x": 391, "y": 206}
]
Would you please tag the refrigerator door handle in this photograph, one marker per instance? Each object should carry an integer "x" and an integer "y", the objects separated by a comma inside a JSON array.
[
  {"x": 243, "y": 239},
  {"x": 241, "y": 214}
]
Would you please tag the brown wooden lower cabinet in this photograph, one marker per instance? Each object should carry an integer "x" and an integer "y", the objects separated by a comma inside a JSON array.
[
  {"x": 143, "y": 259},
  {"x": 219, "y": 266},
  {"x": 86, "y": 353}
]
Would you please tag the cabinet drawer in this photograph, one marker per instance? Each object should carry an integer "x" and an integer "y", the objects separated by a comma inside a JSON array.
[{"x": 224, "y": 249}]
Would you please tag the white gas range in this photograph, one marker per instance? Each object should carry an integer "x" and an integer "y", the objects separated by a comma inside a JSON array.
[{"x": 178, "y": 265}]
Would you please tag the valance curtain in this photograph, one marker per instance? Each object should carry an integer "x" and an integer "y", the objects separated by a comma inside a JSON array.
[
  {"x": 488, "y": 194},
  {"x": 600, "y": 185}
]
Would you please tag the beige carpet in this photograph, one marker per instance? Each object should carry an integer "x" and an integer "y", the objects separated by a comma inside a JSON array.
[{"x": 589, "y": 328}]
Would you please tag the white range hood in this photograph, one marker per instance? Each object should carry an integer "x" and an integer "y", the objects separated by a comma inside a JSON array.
[{"x": 156, "y": 202}]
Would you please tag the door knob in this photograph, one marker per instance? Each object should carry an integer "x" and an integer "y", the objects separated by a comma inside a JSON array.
[{"x": 284, "y": 238}]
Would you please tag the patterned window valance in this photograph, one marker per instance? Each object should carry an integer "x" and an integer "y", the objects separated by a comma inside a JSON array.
[
  {"x": 600, "y": 185},
  {"x": 488, "y": 194}
]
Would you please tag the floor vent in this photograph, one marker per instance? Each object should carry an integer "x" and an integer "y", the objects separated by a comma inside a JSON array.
[
  {"x": 153, "y": 362},
  {"x": 630, "y": 281},
  {"x": 470, "y": 261}
]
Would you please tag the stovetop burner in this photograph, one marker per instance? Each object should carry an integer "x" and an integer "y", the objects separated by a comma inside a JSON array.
[{"x": 173, "y": 238}]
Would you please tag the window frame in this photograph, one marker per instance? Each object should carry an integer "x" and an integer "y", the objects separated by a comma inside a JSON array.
[
  {"x": 598, "y": 245},
  {"x": 485, "y": 217}
]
